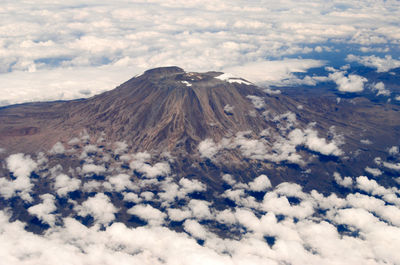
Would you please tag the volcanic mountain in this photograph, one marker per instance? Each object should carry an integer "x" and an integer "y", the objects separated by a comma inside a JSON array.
[
  {"x": 165, "y": 108},
  {"x": 213, "y": 124}
]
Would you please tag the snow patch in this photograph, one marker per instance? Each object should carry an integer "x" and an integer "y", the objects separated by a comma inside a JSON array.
[{"x": 230, "y": 78}]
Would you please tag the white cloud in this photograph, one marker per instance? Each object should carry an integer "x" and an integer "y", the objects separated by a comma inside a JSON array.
[
  {"x": 92, "y": 168},
  {"x": 141, "y": 164},
  {"x": 200, "y": 209},
  {"x": 260, "y": 183},
  {"x": 380, "y": 89},
  {"x": 64, "y": 184},
  {"x": 92, "y": 185},
  {"x": 190, "y": 186},
  {"x": 148, "y": 213},
  {"x": 195, "y": 229},
  {"x": 21, "y": 166},
  {"x": 370, "y": 186},
  {"x": 208, "y": 148},
  {"x": 394, "y": 166},
  {"x": 348, "y": 83},
  {"x": 373, "y": 171},
  {"x": 320, "y": 145},
  {"x": 61, "y": 83},
  {"x": 345, "y": 182},
  {"x": 121, "y": 182},
  {"x": 257, "y": 101},
  {"x": 394, "y": 150},
  {"x": 280, "y": 147},
  {"x": 99, "y": 207},
  {"x": 92, "y": 55},
  {"x": 178, "y": 214},
  {"x": 228, "y": 179},
  {"x": 58, "y": 148},
  {"x": 43, "y": 211},
  {"x": 384, "y": 64}
]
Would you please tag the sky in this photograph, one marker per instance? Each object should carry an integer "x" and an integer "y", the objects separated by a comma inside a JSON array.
[{"x": 51, "y": 50}]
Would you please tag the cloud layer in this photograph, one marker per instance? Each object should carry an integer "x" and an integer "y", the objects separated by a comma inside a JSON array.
[
  {"x": 91, "y": 47},
  {"x": 118, "y": 207}
]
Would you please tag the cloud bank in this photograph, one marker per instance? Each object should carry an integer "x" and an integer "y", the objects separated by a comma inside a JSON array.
[{"x": 91, "y": 47}]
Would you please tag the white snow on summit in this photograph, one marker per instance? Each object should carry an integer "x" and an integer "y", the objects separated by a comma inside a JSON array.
[{"x": 232, "y": 79}]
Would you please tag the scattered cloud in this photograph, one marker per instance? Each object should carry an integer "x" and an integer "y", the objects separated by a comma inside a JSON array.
[
  {"x": 21, "y": 166},
  {"x": 208, "y": 148},
  {"x": 43, "y": 211},
  {"x": 380, "y": 89},
  {"x": 148, "y": 213},
  {"x": 348, "y": 83},
  {"x": 58, "y": 148},
  {"x": 99, "y": 207},
  {"x": 260, "y": 183},
  {"x": 254, "y": 230},
  {"x": 257, "y": 101},
  {"x": 64, "y": 184},
  {"x": 373, "y": 171},
  {"x": 381, "y": 64}
]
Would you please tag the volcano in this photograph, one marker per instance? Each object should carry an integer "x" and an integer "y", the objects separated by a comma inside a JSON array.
[
  {"x": 163, "y": 109},
  {"x": 213, "y": 124}
]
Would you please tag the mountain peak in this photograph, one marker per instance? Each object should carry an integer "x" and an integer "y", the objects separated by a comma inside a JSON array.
[
  {"x": 163, "y": 109},
  {"x": 164, "y": 70}
]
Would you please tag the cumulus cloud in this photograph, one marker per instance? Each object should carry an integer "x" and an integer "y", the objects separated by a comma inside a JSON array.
[
  {"x": 120, "y": 182},
  {"x": 21, "y": 166},
  {"x": 195, "y": 229},
  {"x": 64, "y": 184},
  {"x": 200, "y": 209},
  {"x": 208, "y": 148},
  {"x": 257, "y": 101},
  {"x": 43, "y": 211},
  {"x": 380, "y": 89},
  {"x": 348, "y": 83},
  {"x": 92, "y": 168},
  {"x": 381, "y": 64},
  {"x": 58, "y": 148},
  {"x": 260, "y": 183},
  {"x": 141, "y": 164},
  {"x": 99, "y": 207},
  {"x": 346, "y": 182},
  {"x": 320, "y": 145},
  {"x": 373, "y": 171},
  {"x": 148, "y": 213}
]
